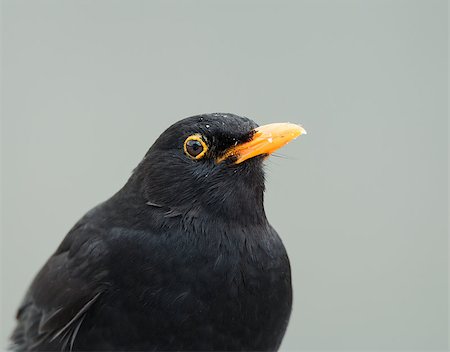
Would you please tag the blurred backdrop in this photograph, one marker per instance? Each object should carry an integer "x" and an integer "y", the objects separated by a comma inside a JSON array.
[{"x": 360, "y": 202}]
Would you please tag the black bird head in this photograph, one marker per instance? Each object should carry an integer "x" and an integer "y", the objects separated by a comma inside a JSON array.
[{"x": 211, "y": 165}]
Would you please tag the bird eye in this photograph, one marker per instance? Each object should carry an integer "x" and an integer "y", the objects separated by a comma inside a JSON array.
[{"x": 195, "y": 147}]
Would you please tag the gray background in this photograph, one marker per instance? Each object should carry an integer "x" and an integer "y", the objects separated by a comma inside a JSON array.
[{"x": 360, "y": 202}]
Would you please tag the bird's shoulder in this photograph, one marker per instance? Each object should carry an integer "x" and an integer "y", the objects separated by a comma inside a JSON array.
[{"x": 69, "y": 284}]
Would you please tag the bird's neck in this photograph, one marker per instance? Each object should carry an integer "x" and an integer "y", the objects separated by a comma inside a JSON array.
[{"x": 240, "y": 202}]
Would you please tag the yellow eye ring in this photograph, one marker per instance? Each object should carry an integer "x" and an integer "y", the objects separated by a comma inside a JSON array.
[{"x": 195, "y": 147}]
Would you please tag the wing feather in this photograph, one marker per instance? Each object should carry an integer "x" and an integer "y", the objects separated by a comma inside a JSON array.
[{"x": 63, "y": 292}]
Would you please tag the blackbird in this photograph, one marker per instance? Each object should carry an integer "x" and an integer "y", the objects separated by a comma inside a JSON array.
[{"x": 181, "y": 258}]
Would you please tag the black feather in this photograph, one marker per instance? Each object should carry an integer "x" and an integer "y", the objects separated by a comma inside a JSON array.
[{"x": 181, "y": 258}]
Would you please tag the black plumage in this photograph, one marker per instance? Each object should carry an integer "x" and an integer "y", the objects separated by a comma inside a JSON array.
[{"x": 181, "y": 258}]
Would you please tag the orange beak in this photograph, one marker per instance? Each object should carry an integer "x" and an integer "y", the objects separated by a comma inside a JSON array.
[{"x": 266, "y": 139}]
